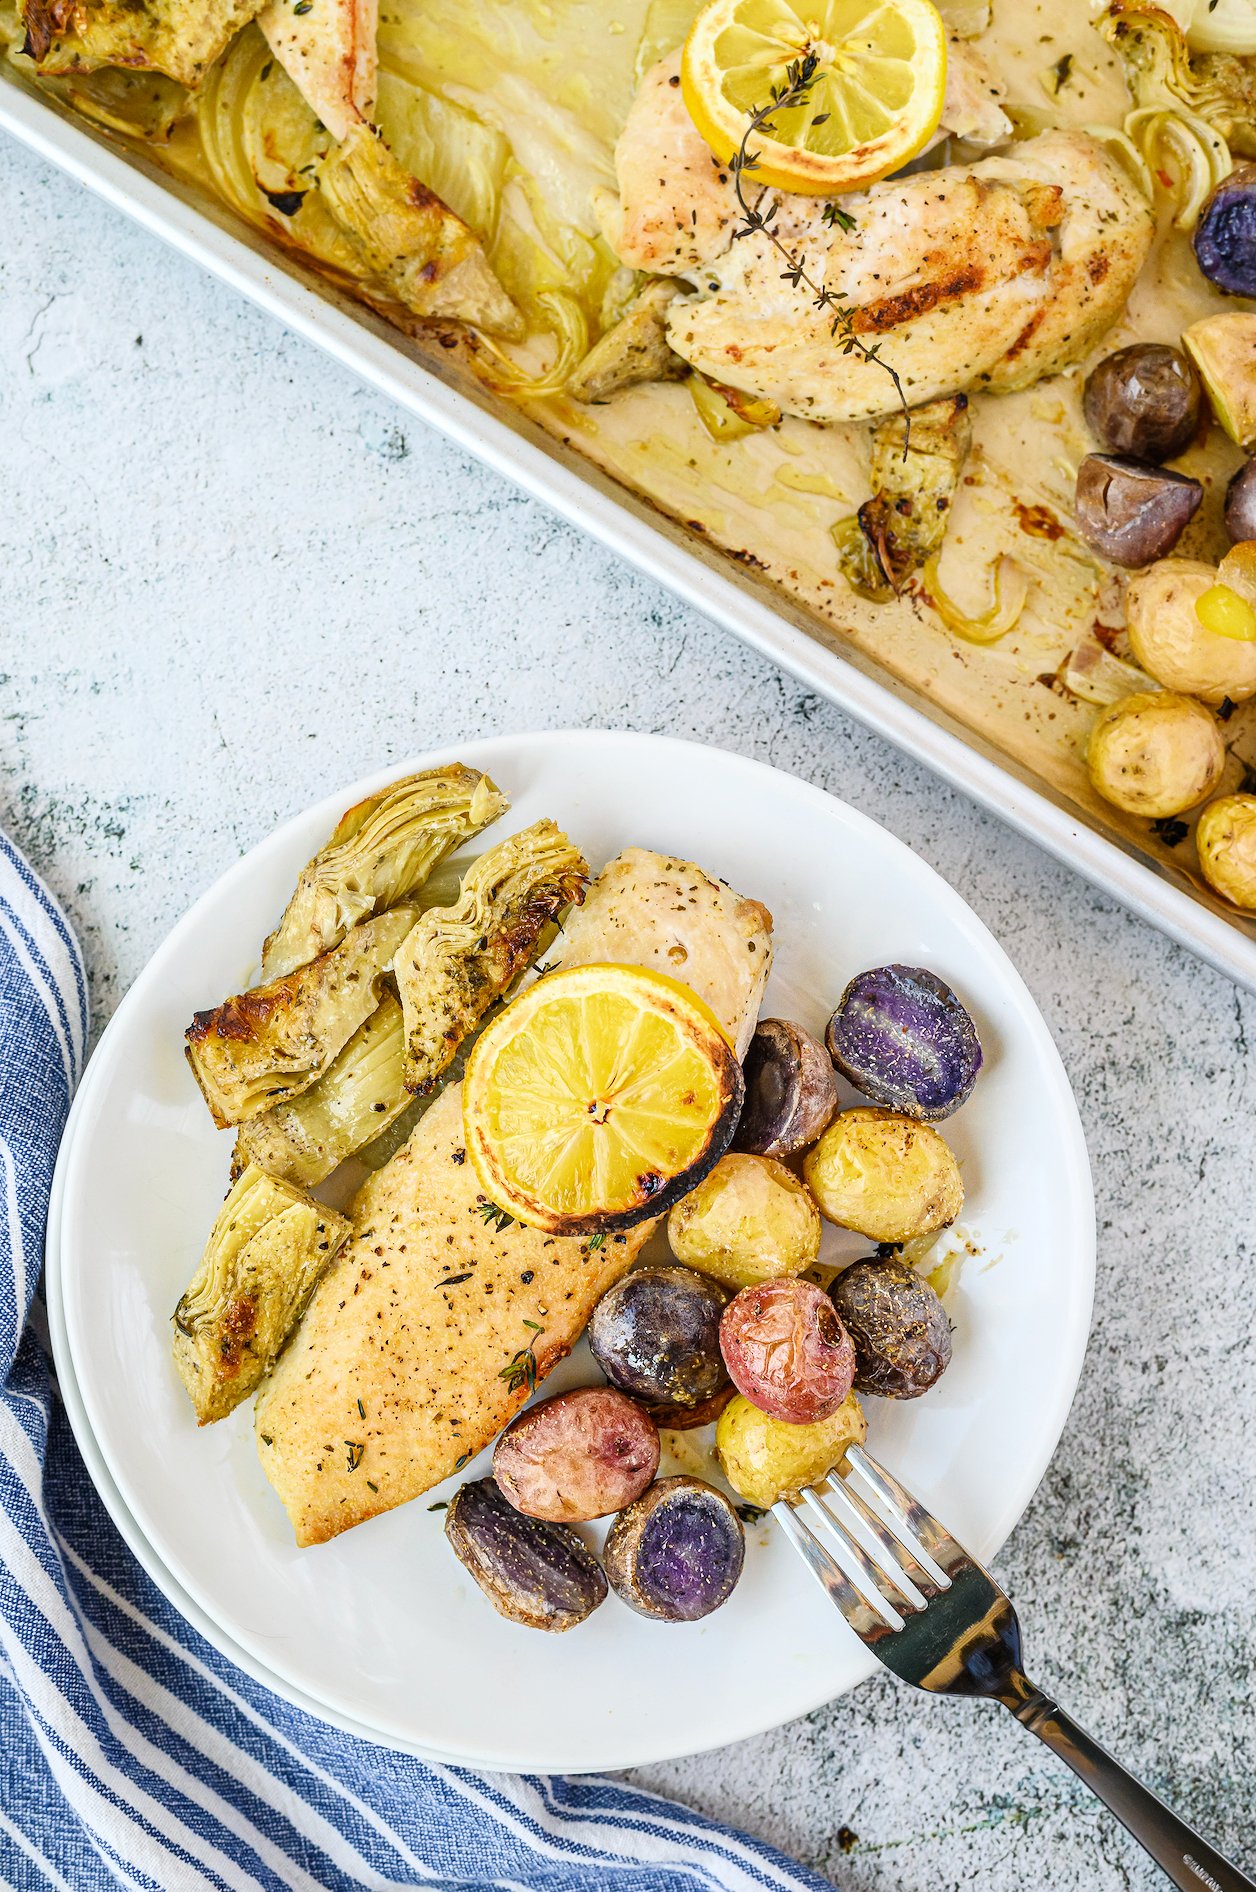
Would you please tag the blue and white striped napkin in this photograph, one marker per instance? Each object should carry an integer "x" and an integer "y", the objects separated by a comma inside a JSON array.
[{"x": 131, "y": 1752}]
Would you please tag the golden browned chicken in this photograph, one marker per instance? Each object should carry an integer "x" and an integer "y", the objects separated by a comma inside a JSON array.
[
  {"x": 401, "y": 1369},
  {"x": 328, "y": 51},
  {"x": 987, "y": 275}
]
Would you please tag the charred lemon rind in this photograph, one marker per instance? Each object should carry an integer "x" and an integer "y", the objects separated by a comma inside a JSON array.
[{"x": 531, "y": 1090}]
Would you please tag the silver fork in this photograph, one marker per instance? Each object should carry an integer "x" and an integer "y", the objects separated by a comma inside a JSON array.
[{"x": 938, "y": 1620}]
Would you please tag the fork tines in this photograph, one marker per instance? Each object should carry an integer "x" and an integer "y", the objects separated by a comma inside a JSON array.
[{"x": 879, "y": 1561}]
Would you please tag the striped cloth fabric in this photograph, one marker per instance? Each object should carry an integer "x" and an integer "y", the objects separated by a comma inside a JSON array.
[{"x": 132, "y": 1753}]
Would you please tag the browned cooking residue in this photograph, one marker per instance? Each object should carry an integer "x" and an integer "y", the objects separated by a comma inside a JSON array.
[{"x": 1038, "y": 521}]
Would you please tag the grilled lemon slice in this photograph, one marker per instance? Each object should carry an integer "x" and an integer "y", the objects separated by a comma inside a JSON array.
[
  {"x": 875, "y": 97},
  {"x": 598, "y": 1098}
]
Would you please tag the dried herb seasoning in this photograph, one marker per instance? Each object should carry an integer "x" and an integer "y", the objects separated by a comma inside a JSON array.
[{"x": 755, "y": 218}]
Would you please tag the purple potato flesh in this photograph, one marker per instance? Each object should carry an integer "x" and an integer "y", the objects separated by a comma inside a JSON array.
[
  {"x": 533, "y": 1572},
  {"x": 791, "y": 1095},
  {"x": 902, "y": 1037},
  {"x": 1131, "y": 512},
  {"x": 676, "y": 1554},
  {"x": 899, "y": 1326},
  {"x": 656, "y": 1335},
  {"x": 580, "y": 1455},
  {"x": 1225, "y": 235}
]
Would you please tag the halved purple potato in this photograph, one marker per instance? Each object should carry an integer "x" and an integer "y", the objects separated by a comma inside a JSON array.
[
  {"x": 902, "y": 1037},
  {"x": 1131, "y": 512},
  {"x": 676, "y": 1554},
  {"x": 534, "y": 1573},
  {"x": 791, "y": 1094},
  {"x": 579, "y": 1455},
  {"x": 1225, "y": 235},
  {"x": 656, "y": 1335},
  {"x": 787, "y": 1350},
  {"x": 899, "y": 1326}
]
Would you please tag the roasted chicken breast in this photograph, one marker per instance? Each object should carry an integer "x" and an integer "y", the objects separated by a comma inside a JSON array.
[
  {"x": 988, "y": 275},
  {"x": 402, "y": 1367}
]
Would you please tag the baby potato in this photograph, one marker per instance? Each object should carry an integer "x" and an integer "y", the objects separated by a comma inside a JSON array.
[
  {"x": 750, "y": 1220},
  {"x": 1226, "y": 839},
  {"x": 765, "y": 1459},
  {"x": 901, "y": 1335},
  {"x": 1155, "y": 753},
  {"x": 884, "y": 1175},
  {"x": 787, "y": 1350},
  {"x": 579, "y": 1455},
  {"x": 1172, "y": 645}
]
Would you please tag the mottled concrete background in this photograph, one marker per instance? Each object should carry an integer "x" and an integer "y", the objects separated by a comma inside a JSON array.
[{"x": 231, "y": 577}]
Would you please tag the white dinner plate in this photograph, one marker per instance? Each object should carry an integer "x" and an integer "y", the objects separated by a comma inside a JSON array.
[
  {"x": 381, "y": 1629},
  {"x": 111, "y": 1497}
]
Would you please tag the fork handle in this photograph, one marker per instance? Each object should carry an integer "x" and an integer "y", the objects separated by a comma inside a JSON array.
[{"x": 1190, "y": 1862}]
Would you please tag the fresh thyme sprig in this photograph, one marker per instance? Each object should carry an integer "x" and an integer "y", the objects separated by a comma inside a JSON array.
[
  {"x": 799, "y": 78},
  {"x": 492, "y": 1216},
  {"x": 520, "y": 1369}
]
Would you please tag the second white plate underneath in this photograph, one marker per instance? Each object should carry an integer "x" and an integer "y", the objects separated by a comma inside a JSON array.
[{"x": 382, "y": 1626}]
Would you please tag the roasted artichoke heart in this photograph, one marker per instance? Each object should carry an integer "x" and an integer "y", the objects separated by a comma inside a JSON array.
[
  {"x": 359, "y": 1095},
  {"x": 271, "y": 1043},
  {"x": 170, "y": 36},
  {"x": 410, "y": 241},
  {"x": 636, "y": 349},
  {"x": 382, "y": 851},
  {"x": 459, "y": 960},
  {"x": 904, "y": 523},
  {"x": 265, "y": 1255}
]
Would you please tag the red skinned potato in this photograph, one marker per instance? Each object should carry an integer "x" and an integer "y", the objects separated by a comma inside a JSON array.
[
  {"x": 787, "y": 1351},
  {"x": 579, "y": 1455}
]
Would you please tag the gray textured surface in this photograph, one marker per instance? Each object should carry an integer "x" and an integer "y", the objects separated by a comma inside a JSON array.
[{"x": 231, "y": 577}]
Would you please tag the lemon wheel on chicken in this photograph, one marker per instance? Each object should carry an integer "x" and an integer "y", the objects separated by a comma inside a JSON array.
[
  {"x": 873, "y": 100},
  {"x": 597, "y": 1098}
]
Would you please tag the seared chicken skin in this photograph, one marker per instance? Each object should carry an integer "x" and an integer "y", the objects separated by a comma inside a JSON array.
[
  {"x": 395, "y": 1377},
  {"x": 989, "y": 275}
]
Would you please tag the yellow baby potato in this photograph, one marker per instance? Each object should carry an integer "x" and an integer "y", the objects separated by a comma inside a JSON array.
[
  {"x": 884, "y": 1175},
  {"x": 765, "y": 1459},
  {"x": 1155, "y": 753},
  {"x": 1226, "y": 840},
  {"x": 1171, "y": 642},
  {"x": 750, "y": 1220}
]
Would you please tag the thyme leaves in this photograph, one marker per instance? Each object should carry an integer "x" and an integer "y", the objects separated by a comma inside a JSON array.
[
  {"x": 756, "y": 219},
  {"x": 520, "y": 1369}
]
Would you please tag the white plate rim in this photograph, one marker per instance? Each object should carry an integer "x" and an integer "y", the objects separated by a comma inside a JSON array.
[
  {"x": 1076, "y": 1301},
  {"x": 128, "y": 1527}
]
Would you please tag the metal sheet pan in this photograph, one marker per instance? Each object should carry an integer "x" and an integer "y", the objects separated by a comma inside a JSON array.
[{"x": 710, "y": 582}]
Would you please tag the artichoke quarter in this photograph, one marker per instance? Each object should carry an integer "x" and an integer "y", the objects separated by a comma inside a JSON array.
[
  {"x": 360, "y": 1095},
  {"x": 265, "y": 1255},
  {"x": 382, "y": 851},
  {"x": 175, "y": 37},
  {"x": 274, "y": 1041},
  {"x": 915, "y": 474},
  {"x": 459, "y": 960}
]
